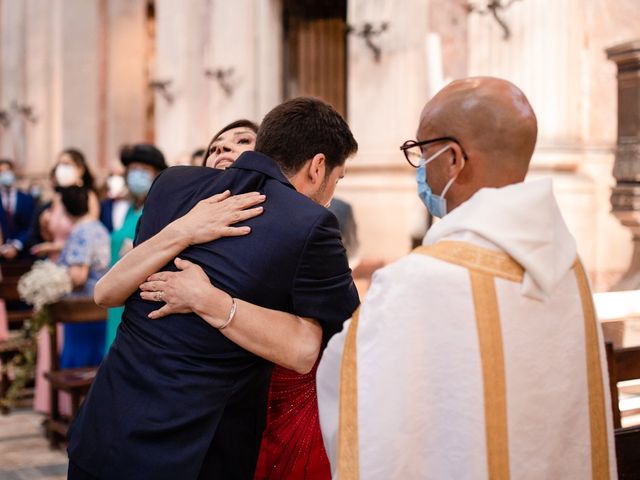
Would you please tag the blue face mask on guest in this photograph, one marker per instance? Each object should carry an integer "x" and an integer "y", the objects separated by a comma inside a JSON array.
[
  {"x": 436, "y": 204},
  {"x": 139, "y": 182}
]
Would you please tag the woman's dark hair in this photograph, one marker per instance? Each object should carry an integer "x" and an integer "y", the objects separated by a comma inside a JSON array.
[
  {"x": 75, "y": 200},
  {"x": 298, "y": 129},
  {"x": 237, "y": 124},
  {"x": 78, "y": 158}
]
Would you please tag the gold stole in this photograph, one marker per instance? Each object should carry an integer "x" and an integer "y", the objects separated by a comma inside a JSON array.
[{"x": 484, "y": 266}]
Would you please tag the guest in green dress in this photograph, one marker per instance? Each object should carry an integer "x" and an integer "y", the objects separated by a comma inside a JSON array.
[{"x": 143, "y": 163}]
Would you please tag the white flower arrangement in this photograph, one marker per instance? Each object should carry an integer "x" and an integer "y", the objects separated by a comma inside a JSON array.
[{"x": 45, "y": 283}]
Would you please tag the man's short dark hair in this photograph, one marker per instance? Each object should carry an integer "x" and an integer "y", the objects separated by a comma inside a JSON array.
[
  {"x": 298, "y": 129},
  {"x": 75, "y": 200}
]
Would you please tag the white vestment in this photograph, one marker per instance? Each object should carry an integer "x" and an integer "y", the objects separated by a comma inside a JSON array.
[{"x": 477, "y": 356}]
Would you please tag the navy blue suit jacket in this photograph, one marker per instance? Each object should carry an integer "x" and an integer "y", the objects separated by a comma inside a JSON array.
[
  {"x": 174, "y": 398},
  {"x": 18, "y": 229},
  {"x": 106, "y": 213}
]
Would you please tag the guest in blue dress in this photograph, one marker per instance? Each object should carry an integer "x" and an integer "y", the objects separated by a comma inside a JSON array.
[{"x": 86, "y": 255}]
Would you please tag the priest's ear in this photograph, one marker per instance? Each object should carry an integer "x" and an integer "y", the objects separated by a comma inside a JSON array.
[{"x": 457, "y": 162}]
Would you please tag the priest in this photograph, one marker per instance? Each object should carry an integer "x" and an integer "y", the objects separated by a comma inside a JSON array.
[{"x": 477, "y": 356}]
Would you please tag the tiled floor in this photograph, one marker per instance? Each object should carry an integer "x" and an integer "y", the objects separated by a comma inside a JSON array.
[{"x": 24, "y": 451}]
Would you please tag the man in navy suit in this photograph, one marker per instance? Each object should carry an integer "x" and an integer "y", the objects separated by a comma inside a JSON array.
[
  {"x": 174, "y": 398},
  {"x": 16, "y": 210}
]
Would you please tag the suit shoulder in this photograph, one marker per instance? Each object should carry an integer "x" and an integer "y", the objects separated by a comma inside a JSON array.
[
  {"x": 25, "y": 196},
  {"x": 304, "y": 209},
  {"x": 181, "y": 177}
]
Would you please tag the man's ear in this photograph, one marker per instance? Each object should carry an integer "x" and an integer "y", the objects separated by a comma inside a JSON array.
[
  {"x": 456, "y": 160},
  {"x": 317, "y": 168}
]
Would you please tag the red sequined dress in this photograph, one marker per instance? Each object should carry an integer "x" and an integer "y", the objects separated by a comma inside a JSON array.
[{"x": 292, "y": 446}]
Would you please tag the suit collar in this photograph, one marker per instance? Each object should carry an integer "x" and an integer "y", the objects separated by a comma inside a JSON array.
[{"x": 261, "y": 163}]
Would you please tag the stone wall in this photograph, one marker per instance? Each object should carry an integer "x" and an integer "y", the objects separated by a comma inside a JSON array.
[{"x": 84, "y": 68}]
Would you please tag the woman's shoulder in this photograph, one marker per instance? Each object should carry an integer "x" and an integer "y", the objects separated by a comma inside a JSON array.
[{"x": 90, "y": 229}]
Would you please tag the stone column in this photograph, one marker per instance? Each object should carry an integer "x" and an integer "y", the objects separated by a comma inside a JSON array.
[
  {"x": 13, "y": 41},
  {"x": 125, "y": 81},
  {"x": 242, "y": 39},
  {"x": 180, "y": 28},
  {"x": 625, "y": 197},
  {"x": 555, "y": 54},
  {"x": 384, "y": 100},
  {"x": 79, "y": 77}
]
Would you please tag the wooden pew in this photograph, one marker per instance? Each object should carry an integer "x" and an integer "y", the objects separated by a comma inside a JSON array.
[
  {"x": 623, "y": 364},
  {"x": 16, "y": 268},
  {"x": 9, "y": 293},
  {"x": 8, "y": 350},
  {"x": 74, "y": 381},
  {"x": 628, "y": 453},
  {"x": 10, "y": 274}
]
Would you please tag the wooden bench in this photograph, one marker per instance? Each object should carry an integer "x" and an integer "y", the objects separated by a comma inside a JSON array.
[
  {"x": 15, "y": 268},
  {"x": 74, "y": 381},
  {"x": 9, "y": 293},
  {"x": 623, "y": 364},
  {"x": 628, "y": 453},
  {"x": 8, "y": 350}
]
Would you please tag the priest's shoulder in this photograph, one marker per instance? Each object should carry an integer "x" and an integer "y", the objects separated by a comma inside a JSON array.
[
  {"x": 417, "y": 268},
  {"x": 180, "y": 178}
]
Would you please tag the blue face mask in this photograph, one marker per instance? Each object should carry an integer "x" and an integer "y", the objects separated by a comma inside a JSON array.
[
  {"x": 139, "y": 182},
  {"x": 436, "y": 204},
  {"x": 7, "y": 178}
]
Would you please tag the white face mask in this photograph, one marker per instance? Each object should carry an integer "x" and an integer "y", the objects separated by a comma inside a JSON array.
[
  {"x": 116, "y": 186},
  {"x": 66, "y": 175}
]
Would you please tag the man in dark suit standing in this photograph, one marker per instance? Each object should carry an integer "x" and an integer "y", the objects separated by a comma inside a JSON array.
[
  {"x": 16, "y": 210},
  {"x": 174, "y": 398}
]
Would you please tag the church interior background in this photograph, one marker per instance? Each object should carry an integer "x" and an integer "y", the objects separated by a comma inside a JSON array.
[{"x": 97, "y": 74}]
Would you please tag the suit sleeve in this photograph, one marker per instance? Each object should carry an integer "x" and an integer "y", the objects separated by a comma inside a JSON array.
[
  {"x": 153, "y": 217},
  {"x": 171, "y": 196},
  {"x": 26, "y": 213},
  {"x": 323, "y": 287}
]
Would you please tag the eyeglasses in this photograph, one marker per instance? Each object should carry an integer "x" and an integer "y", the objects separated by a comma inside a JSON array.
[{"x": 412, "y": 149}]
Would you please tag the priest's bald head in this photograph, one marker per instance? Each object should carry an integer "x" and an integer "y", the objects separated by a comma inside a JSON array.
[{"x": 490, "y": 130}]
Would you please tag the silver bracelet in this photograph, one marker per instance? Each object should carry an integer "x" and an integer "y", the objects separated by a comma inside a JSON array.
[{"x": 232, "y": 313}]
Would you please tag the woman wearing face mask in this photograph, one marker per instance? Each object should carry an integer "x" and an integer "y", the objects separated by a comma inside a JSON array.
[
  {"x": 55, "y": 225},
  {"x": 292, "y": 445},
  {"x": 71, "y": 169},
  {"x": 143, "y": 162},
  {"x": 86, "y": 257}
]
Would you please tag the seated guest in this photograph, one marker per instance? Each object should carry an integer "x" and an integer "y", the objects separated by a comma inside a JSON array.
[
  {"x": 86, "y": 256},
  {"x": 16, "y": 210}
]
